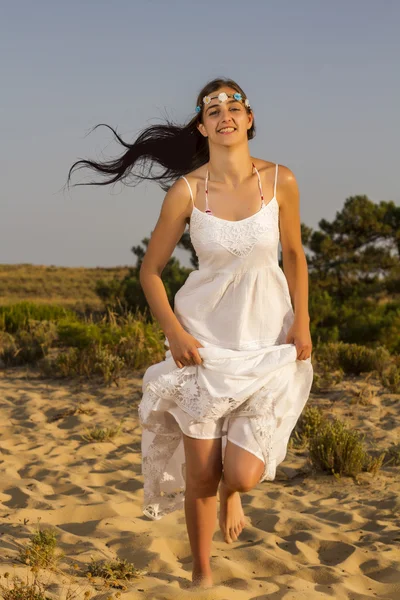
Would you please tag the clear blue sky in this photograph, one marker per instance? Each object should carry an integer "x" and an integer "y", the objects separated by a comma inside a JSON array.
[{"x": 323, "y": 79}]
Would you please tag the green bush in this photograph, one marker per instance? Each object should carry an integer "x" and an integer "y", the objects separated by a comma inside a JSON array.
[
  {"x": 392, "y": 456},
  {"x": 113, "y": 570},
  {"x": 369, "y": 320},
  {"x": 27, "y": 346},
  {"x": 308, "y": 425},
  {"x": 351, "y": 358},
  {"x": 390, "y": 378},
  {"x": 356, "y": 359},
  {"x": 80, "y": 335},
  {"x": 87, "y": 362},
  {"x": 340, "y": 451},
  {"x": 15, "y": 317},
  {"x": 16, "y": 589},
  {"x": 141, "y": 344},
  {"x": 41, "y": 550}
]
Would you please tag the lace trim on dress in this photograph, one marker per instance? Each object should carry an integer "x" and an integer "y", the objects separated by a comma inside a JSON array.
[
  {"x": 181, "y": 387},
  {"x": 259, "y": 407},
  {"x": 239, "y": 237}
]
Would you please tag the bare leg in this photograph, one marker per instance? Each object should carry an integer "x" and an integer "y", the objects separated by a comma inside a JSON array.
[
  {"x": 242, "y": 472},
  {"x": 231, "y": 515},
  {"x": 203, "y": 473}
]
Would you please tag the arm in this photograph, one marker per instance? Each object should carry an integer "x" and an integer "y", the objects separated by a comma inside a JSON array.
[
  {"x": 294, "y": 262},
  {"x": 165, "y": 236},
  {"x": 293, "y": 257}
]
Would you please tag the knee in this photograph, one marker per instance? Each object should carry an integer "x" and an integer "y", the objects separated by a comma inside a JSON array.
[
  {"x": 239, "y": 485},
  {"x": 241, "y": 481},
  {"x": 206, "y": 484}
]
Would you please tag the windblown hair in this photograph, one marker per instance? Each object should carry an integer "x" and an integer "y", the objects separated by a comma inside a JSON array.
[{"x": 177, "y": 149}]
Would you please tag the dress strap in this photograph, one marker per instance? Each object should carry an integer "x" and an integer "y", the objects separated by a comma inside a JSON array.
[
  {"x": 190, "y": 189},
  {"x": 259, "y": 184},
  {"x": 276, "y": 179},
  {"x": 208, "y": 211}
]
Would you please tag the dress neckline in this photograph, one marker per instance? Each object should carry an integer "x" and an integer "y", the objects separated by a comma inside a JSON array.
[
  {"x": 210, "y": 213},
  {"x": 236, "y": 220}
]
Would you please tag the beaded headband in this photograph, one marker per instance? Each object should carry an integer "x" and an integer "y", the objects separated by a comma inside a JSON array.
[{"x": 223, "y": 97}]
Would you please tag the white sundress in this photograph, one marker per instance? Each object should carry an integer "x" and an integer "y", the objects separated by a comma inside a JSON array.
[{"x": 250, "y": 387}]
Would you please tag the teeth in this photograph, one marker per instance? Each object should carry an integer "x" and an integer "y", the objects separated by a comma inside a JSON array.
[{"x": 227, "y": 129}]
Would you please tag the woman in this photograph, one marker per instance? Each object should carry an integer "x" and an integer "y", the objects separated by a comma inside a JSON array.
[{"x": 219, "y": 410}]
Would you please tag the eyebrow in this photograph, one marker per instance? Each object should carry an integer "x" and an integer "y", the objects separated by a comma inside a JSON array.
[{"x": 229, "y": 102}]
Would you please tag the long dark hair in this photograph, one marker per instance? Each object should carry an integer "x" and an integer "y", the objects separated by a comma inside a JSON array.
[{"x": 178, "y": 149}]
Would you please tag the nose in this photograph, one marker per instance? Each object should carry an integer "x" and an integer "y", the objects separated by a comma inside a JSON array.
[{"x": 226, "y": 116}]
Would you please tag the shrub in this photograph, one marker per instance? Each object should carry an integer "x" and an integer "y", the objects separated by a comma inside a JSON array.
[
  {"x": 15, "y": 317},
  {"x": 356, "y": 359},
  {"x": 390, "y": 378},
  {"x": 142, "y": 343},
  {"x": 351, "y": 358},
  {"x": 98, "y": 434},
  {"x": 77, "y": 334},
  {"x": 114, "y": 569},
  {"x": 88, "y": 362},
  {"x": 369, "y": 320},
  {"x": 21, "y": 590},
  {"x": 339, "y": 451},
  {"x": 41, "y": 550},
  {"x": 28, "y": 345},
  {"x": 308, "y": 425},
  {"x": 392, "y": 456}
]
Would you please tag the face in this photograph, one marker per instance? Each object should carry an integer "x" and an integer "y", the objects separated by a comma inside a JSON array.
[{"x": 226, "y": 122}]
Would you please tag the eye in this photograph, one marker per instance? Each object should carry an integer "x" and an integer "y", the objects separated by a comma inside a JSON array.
[{"x": 215, "y": 112}]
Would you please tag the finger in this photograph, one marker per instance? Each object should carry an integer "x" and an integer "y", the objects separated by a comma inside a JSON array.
[{"x": 193, "y": 360}]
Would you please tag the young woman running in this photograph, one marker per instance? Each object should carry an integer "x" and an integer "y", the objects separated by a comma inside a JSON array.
[{"x": 218, "y": 411}]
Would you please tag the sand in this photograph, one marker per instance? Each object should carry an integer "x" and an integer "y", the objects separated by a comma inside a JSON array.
[{"x": 308, "y": 535}]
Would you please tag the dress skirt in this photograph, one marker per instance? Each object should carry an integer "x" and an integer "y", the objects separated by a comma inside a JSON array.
[{"x": 251, "y": 397}]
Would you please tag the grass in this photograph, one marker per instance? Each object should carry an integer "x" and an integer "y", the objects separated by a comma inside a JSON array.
[
  {"x": 307, "y": 426},
  {"x": 114, "y": 571},
  {"x": 392, "y": 456},
  {"x": 41, "y": 551},
  {"x": 70, "y": 287},
  {"x": 61, "y": 345},
  {"x": 42, "y": 556},
  {"x": 352, "y": 359},
  {"x": 99, "y": 434}
]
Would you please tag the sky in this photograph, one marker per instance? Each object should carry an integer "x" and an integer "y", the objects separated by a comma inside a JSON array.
[{"x": 323, "y": 79}]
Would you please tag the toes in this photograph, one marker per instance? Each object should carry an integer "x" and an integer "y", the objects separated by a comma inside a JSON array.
[{"x": 233, "y": 534}]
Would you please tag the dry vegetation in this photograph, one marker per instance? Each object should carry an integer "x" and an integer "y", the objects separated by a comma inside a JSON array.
[{"x": 67, "y": 286}]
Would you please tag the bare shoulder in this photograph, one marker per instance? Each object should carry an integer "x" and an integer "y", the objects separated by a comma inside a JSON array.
[
  {"x": 196, "y": 177},
  {"x": 286, "y": 184},
  {"x": 177, "y": 202},
  {"x": 267, "y": 167}
]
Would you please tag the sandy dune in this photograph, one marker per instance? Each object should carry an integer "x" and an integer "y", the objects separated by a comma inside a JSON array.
[{"x": 308, "y": 535}]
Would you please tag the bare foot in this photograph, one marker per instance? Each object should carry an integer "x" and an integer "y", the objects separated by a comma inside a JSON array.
[
  {"x": 201, "y": 579},
  {"x": 231, "y": 515}
]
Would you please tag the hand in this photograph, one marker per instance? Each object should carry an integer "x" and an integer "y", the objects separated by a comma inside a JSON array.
[
  {"x": 183, "y": 347},
  {"x": 299, "y": 334}
]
